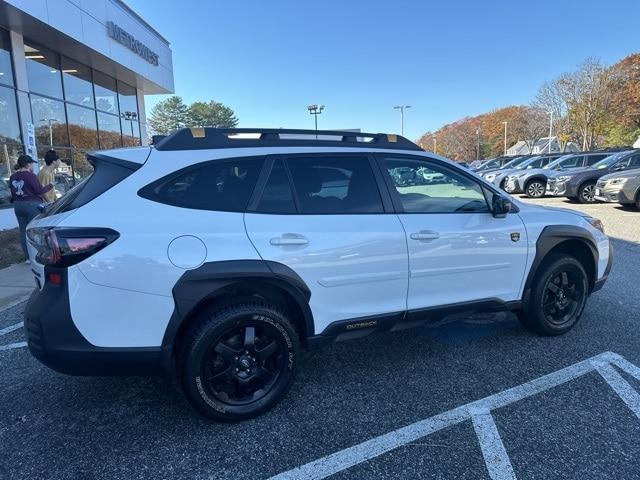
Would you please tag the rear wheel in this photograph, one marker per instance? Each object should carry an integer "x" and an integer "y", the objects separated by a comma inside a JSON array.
[
  {"x": 587, "y": 192},
  {"x": 238, "y": 361},
  {"x": 535, "y": 188},
  {"x": 558, "y": 296}
]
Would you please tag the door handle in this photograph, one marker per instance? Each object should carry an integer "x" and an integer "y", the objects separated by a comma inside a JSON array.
[
  {"x": 289, "y": 239},
  {"x": 425, "y": 235}
]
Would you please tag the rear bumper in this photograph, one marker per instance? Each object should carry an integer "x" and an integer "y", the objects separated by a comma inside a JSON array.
[{"x": 55, "y": 341}]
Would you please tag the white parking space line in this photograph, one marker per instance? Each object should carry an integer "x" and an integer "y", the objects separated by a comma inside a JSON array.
[
  {"x": 10, "y": 328},
  {"x": 349, "y": 457},
  {"x": 12, "y": 346},
  {"x": 493, "y": 451},
  {"x": 625, "y": 391}
]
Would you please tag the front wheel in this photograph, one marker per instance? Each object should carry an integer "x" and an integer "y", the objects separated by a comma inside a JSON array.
[
  {"x": 558, "y": 296},
  {"x": 535, "y": 189},
  {"x": 587, "y": 192},
  {"x": 237, "y": 362}
]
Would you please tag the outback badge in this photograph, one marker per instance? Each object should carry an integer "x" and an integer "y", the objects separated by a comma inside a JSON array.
[{"x": 515, "y": 236}]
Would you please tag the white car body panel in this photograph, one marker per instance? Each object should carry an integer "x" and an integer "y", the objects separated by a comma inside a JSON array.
[
  {"x": 474, "y": 258},
  {"x": 354, "y": 265}
]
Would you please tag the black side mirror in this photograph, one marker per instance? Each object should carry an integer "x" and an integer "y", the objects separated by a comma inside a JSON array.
[{"x": 501, "y": 206}]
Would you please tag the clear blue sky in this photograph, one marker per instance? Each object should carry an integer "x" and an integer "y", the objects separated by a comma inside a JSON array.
[{"x": 268, "y": 59}]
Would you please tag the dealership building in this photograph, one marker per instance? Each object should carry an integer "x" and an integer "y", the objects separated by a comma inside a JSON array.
[{"x": 73, "y": 76}]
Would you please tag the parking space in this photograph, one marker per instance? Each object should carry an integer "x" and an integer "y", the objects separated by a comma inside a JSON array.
[{"x": 470, "y": 397}]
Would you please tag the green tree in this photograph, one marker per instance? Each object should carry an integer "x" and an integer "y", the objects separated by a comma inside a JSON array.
[
  {"x": 211, "y": 114},
  {"x": 169, "y": 115}
]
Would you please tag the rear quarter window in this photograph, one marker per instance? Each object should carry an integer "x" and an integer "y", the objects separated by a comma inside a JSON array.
[{"x": 225, "y": 185}]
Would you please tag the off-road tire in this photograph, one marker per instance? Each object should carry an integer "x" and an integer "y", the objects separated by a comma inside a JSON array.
[{"x": 213, "y": 330}]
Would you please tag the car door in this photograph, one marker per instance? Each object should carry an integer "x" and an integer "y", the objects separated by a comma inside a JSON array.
[
  {"x": 324, "y": 217},
  {"x": 458, "y": 251}
]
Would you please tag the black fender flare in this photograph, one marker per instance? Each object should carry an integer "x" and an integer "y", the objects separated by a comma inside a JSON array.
[
  {"x": 552, "y": 236},
  {"x": 202, "y": 283}
]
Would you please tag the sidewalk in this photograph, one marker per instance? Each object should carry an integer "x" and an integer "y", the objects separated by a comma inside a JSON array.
[{"x": 16, "y": 284}]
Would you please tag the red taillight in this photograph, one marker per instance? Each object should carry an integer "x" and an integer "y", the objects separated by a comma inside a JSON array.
[
  {"x": 63, "y": 247},
  {"x": 54, "y": 279}
]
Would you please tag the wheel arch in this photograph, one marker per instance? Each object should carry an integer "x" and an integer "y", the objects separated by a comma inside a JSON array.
[
  {"x": 568, "y": 239},
  {"x": 216, "y": 283}
]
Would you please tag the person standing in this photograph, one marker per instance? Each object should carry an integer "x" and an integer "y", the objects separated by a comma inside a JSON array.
[
  {"x": 26, "y": 195},
  {"x": 48, "y": 174}
]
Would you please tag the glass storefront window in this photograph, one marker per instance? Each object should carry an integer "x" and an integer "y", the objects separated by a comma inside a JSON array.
[
  {"x": 128, "y": 100},
  {"x": 82, "y": 127},
  {"x": 50, "y": 121},
  {"x": 10, "y": 143},
  {"x": 43, "y": 71},
  {"x": 109, "y": 131},
  {"x": 130, "y": 133},
  {"x": 6, "y": 71},
  {"x": 77, "y": 83},
  {"x": 106, "y": 94}
]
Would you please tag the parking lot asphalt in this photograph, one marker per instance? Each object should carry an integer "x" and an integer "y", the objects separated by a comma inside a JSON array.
[{"x": 56, "y": 426}]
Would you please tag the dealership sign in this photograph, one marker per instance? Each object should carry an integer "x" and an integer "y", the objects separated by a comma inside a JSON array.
[{"x": 128, "y": 40}]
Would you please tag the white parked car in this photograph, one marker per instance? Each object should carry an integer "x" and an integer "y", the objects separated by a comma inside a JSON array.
[{"x": 216, "y": 257}]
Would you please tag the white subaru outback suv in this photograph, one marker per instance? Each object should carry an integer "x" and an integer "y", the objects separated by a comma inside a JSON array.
[{"x": 217, "y": 255}]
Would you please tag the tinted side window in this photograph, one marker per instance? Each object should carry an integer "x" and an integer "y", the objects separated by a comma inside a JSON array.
[
  {"x": 224, "y": 186},
  {"x": 424, "y": 187},
  {"x": 536, "y": 163},
  {"x": 572, "y": 162},
  {"x": 277, "y": 196},
  {"x": 591, "y": 159},
  {"x": 634, "y": 162},
  {"x": 335, "y": 185}
]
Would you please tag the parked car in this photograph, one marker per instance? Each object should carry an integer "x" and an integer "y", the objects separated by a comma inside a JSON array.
[
  {"x": 620, "y": 187},
  {"x": 63, "y": 183},
  {"x": 580, "y": 184},
  {"x": 499, "y": 177},
  {"x": 533, "y": 182},
  {"x": 235, "y": 252},
  {"x": 493, "y": 163}
]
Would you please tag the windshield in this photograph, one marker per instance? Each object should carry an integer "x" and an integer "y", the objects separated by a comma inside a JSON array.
[
  {"x": 610, "y": 160},
  {"x": 526, "y": 163},
  {"x": 515, "y": 162},
  {"x": 558, "y": 161},
  {"x": 490, "y": 164}
]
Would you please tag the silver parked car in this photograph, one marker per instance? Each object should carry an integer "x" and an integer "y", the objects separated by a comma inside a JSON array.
[{"x": 620, "y": 187}]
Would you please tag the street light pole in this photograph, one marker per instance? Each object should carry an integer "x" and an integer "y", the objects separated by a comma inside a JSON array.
[
  {"x": 550, "y": 128},
  {"x": 505, "y": 137},
  {"x": 478, "y": 147},
  {"x": 402, "y": 108},
  {"x": 315, "y": 110},
  {"x": 435, "y": 145},
  {"x": 50, "y": 121}
]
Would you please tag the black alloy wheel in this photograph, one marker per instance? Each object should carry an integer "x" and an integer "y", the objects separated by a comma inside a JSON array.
[
  {"x": 238, "y": 361},
  {"x": 558, "y": 295},
  {"x": 245, "y": 363},
  {"x": 563, "y": 296},
  {"x": 535, "y": 189}
]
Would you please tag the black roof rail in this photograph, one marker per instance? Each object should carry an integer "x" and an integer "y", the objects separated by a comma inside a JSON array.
[{"x": 208, "y": 138}]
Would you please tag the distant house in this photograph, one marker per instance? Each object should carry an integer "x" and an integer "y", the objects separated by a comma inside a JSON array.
[
  {"x": 541, "y": 146},
  {"x": 637, "y": 143},
  {"x": 520, "y": 148}
]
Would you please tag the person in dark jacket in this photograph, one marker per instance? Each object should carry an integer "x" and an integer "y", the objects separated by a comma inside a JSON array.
[{"x": 26, "y": 195}]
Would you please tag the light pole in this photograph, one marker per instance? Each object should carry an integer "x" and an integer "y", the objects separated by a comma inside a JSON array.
[
  {"x": 435, "y": 145},
  {"x": 505, "y": 137},
  {"x": 402, "y": 108},
  {"x": 550, "y": 128},
  {"x": 131, "y": 116},
  {"x": 50, "y": 121},
  {"x": 478, "y": 143},
  {"x": 315, "y": 110}
]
